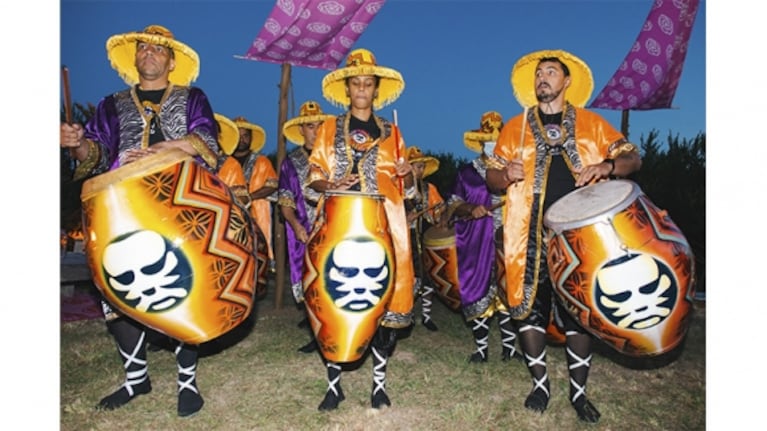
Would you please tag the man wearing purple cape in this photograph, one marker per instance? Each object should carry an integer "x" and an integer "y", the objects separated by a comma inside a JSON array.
[
  {"x": 298, "y": 203},
  {"x": 472, "y": 203}
]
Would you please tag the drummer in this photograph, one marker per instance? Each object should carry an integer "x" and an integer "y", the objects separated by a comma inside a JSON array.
[
  {"x": 426, "y": 209},
  {"x": 297, "y": 201},
  {"x": 172, "y": 114},
  {"x": 563, "y": 146},
  {"x": 477, "y": 225},
  {"x": 360, "y": 151}
]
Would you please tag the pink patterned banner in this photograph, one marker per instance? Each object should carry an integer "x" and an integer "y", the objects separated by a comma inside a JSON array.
[
  {"x": 312, "y": 33},
  {"x": 648, "y": 77}
]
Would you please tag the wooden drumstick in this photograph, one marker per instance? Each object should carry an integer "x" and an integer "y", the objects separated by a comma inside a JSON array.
[
  {"x": 396, "y": 151},
  {"x": 468, "y": 217},
  {"x": 424, "y": 211},
  {"x": 67, "y": 95}
]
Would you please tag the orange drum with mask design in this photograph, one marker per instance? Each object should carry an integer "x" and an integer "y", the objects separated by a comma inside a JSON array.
[
  {"x": 167, "y": 246},
  {"x": 621, "y": 266},
  {"x": 349, "y": 273}
]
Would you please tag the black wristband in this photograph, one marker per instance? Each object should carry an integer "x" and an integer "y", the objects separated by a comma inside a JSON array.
[{"x": 612, "y": 165}]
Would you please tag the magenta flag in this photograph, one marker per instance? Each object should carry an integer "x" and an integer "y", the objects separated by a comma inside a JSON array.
[
  {"x": 648, "y": 77},
  {"x": 312, "y": 33}
]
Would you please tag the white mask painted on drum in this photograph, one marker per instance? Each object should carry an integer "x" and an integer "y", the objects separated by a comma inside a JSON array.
[
  {"x": 488, "y": 148},
  {"x": 145, "y": 273},
  {"x": 635, "y": 292},
  {"x": 361, "y": 271}
]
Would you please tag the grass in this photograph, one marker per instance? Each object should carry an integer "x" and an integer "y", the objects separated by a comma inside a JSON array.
[{"x": 254, "y": 379}]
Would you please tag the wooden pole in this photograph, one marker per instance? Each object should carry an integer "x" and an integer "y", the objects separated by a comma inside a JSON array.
[
  {"x": 279, "y": 226},
  {"x": 625, "y": 123}
]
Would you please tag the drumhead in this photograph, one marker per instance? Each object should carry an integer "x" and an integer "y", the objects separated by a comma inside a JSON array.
[
  {"x": 352, "y": 193},
  {"x": 436, "y": 235},
  {"x": 139, "y": 168},
  {"x": 589, "y": 204}
]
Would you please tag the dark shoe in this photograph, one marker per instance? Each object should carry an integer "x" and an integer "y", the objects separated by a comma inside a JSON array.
[
  {"x": 429, "y": 325},
  {"x": 537, "y": 401},
  {"x": 189, "y": 403},
  {"x": 477, "y": 357},
  {"x": 586, "y": 411},
  {"x": 331, "y": 400},
  {"x": 507, "y": 356},
  {"x": 309, "y": 347},
  {"x": 121, "y": 396},
  {"x": 378, "y": 399}
]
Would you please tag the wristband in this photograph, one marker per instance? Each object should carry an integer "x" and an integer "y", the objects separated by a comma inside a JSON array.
[{"x": 612, "y": 165}]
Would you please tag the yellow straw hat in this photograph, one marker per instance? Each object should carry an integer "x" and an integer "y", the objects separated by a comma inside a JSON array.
[
  {"x": 362, "y": 62},
  {"x": 228, "y": 134},
  {"x": 431, "y": 164},
  {"x": 489, "y": 127},
  {"x": 257, "y": 134},
  {"x": 121, "y": 51},
  {"x": 523, "y": 78},
  {"x": 310, "y": 112}
]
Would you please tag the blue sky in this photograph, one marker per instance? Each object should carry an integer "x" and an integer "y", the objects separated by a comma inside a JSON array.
[{"x": 455, "y": 56}]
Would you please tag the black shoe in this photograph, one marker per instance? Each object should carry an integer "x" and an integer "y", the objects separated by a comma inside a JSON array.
[
  {"x": 477, "y": 357},
  {"x": 189, "y": 403},
  {"x": 121, "y": 396},
  {"x": 586, "y": 411},
  {"x": 429, "y": 325},
  {"x": 309, "y": 347},
  {"x": 331, "y": 400},
  {"x": 379, "y": 399},
  {"x": 537, "y": 401}
]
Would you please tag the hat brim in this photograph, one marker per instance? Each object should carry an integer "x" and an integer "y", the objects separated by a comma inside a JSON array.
[
  {"x": 430, "y": 164},
  {"x": 474, "y": 140},
  {"x": 390, "y": 86},
  {"x": 228, "y": 135},
  {"x": 257, "y": 135},
  {"x": 121, "y": 51},
  {"x": 523, "y": 78},
  {"x": 292, "y": 128}
]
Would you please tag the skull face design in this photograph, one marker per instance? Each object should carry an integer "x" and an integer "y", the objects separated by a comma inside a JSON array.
[
  {"x": 145, "y": 273},
  {"x": 358, "y": 273},
  {"x": 636, "y": 292}
]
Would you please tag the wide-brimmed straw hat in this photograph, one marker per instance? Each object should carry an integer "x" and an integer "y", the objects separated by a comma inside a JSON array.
[
  {"x": 310, "y": 112},
  {"x": 228, "y": 134},
  {"x": 362, "y": 62},
  {"x": 523, "y": 78},
  {"x": 489, "y": 127},
  {"x": 431, "y": 164},
  {"x": 121, "y": 51},
  {"x": 257, "y": 133}
]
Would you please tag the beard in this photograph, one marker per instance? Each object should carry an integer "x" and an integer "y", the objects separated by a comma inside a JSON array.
[{"x": 544, "y": 97}]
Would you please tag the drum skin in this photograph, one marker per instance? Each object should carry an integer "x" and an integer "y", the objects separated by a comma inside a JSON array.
[
  {"x": 626, "y": 273},
  {"x": 348, "y": 273},
  {"x": 168, "y": 246},
  {"x": 440, "y": 263}
]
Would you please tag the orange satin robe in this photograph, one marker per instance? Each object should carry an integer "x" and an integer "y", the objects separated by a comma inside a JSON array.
[{"x": 260, "y": 209}]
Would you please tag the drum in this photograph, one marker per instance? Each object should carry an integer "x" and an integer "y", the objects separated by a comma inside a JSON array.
[
  {"x": 348, "y": 273},
  {"x": 621, "y": 266},
  {"x": 168, "y": 247},
  {"x": 440, "y": 264},
  {"x": 262, "y": 263}
]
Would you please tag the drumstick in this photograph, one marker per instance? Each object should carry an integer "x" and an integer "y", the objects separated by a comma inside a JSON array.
[
  {"x": 468, "y": 217},
  {"x": 67, "y": 96},
  {"x": 424, "y": 211},
  {"x": 522, "y": 134},
  {"x": 396, "y": 150}
]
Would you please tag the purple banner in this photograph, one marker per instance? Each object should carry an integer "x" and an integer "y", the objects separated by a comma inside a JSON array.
[
  {"x": 312, "y": 33},
  {"x": 648, "y": 77}
]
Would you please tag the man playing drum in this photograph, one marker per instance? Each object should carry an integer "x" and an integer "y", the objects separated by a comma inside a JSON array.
[
  {"x": 298, "y": 201},
  {"x": 424, "y": 210},
  {"x": 159, "y": 111},
  {"x": 361, "y": 151},
  {"x": 472, "y": 203},
  {"x": 552, "y": 148}
]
